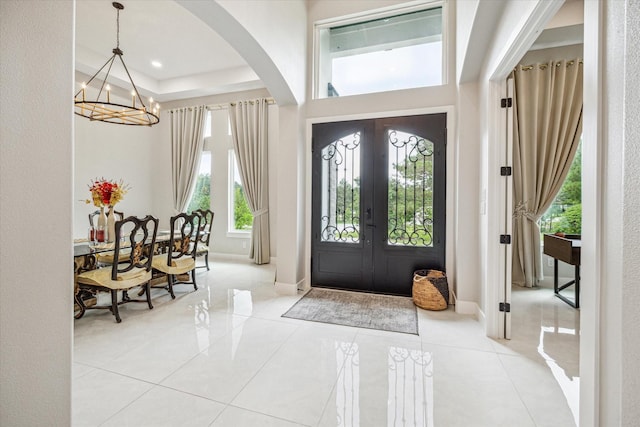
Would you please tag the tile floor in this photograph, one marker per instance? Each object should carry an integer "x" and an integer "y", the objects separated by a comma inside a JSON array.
[{"x": 223, "y": 356}]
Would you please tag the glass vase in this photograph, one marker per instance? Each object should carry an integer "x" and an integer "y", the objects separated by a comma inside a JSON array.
[{"x": 102, "y": 226}]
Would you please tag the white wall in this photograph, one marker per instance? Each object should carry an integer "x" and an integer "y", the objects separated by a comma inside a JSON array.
[
  {"x": 464, "y": 23},
  {"x": 468, "y": 201},
  {"x": 628, "y": 132},
  {"x": 619, "y": 296},
  {"x": 114, "y": 152},
  {"x": 286, "y": 18},
  {"x": 270, "y": 36},
  {"x": 36, "y": 134}
]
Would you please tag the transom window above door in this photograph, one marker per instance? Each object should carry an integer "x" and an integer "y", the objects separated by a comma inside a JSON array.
[{"x": 390, "y": 50}]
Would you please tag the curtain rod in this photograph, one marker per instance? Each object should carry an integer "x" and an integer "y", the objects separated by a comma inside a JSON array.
[
  {"x": 224, "y": 106},
  {"x": 544, "y": 66},
  {"x": 270, "y": 101}
]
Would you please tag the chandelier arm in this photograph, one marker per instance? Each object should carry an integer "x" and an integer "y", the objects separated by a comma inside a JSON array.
[
  {"x": 106, "y": 75},
  {"x": 135, "y": 88},
  {"x": 98, "y": 72},
  {"x": 104, "y": 81}
]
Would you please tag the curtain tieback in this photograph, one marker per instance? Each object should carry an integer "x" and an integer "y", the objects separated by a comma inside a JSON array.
[
  {"x": 520, "y": 211},
  {"x": 260, "y": 212}
]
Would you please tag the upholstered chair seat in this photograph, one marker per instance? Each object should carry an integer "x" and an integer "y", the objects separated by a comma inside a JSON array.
[
  {"x": 102, "y": 277},
  {"x": 180, "y": 265}
]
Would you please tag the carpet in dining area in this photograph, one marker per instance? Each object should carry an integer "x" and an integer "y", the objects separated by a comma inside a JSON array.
[{"x": 359, "y": 309}]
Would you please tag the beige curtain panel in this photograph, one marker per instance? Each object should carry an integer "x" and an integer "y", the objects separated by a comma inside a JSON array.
[
  {"x": 249, "y": 135},
  {"x": 187, "y": 142},
  {"x": 548, "y": 116}
]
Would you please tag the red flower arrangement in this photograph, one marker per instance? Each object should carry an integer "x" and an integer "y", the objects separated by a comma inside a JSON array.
[{"x": 105, "y": 192}]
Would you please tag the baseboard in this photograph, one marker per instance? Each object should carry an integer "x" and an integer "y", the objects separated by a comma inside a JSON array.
[
  {"x": 238, "y": 257},
  {"x": 482, "y": 318},
  {"x": 304, "y": 285},
  {"x": 231, "y": 257},
  {"x": 287, "y": 288},
  {"x": 468, "y": 307}
]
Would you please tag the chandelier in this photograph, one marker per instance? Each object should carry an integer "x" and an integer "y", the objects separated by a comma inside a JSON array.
[{"x": 101, "y": 108}]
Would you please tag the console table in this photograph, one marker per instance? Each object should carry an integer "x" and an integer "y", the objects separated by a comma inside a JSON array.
[{"x": 566, "y": 249}]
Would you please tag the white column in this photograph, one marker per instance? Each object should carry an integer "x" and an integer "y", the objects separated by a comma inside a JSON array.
[
  {"x": 36, "y": 181},
  {"x": 290, "y": 199}
]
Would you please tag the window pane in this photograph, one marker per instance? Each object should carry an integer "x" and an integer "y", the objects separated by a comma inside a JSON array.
[
  {"x": 239, "y": 209},
  {"x": 389, "y": 53},
  {"x": 201, "y": 198},
  {"x": 396, "y": 69},
  {"x": 340, "y": 205},
  {"x": 565, "y": 213},
  {"x": 207, "y": 125},
  {"x": 410, "y": 190}
]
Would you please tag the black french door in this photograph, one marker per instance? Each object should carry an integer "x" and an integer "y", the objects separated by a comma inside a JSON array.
[{"x": 378, "y": 202}]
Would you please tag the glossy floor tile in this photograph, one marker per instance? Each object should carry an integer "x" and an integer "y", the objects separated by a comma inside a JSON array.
[{"x": 224, "y": 356}]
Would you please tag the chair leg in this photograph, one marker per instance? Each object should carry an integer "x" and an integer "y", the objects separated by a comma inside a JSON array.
[
  {"x": 170, "y": 280},
  {"x": 193, "y": 279},
  {"x": 81, "y": 308},
  {"x": 147, "y": 289},
  {"x": 206, "y": 260},
  {"x": 114, "y": 305}
]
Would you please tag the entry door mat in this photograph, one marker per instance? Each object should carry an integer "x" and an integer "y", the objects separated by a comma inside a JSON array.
[{"x": 362, "y": 310}]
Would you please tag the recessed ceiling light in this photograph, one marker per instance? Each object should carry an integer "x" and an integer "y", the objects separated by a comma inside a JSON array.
[{"x": 156, "y": 64}]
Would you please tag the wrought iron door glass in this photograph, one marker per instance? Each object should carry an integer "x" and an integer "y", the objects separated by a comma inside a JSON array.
[
  {"x": 340, "y": 219},
  {"x": 410, "y": 190}
]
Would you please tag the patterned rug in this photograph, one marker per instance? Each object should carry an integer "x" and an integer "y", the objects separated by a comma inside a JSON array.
[{"x": 362, "y": 310}]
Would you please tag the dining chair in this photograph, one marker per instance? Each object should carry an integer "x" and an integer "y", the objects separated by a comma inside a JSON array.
[
  {"x": 206, "y": 218},
  {"x": 129, "y": 269},
  {"x": 180, "y": 257}
]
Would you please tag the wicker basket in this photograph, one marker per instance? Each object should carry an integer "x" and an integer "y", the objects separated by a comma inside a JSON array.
[{"x": 430, "y": 289}]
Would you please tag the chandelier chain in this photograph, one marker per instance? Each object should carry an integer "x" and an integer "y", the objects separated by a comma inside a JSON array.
[{"x": 117, "y": 28}]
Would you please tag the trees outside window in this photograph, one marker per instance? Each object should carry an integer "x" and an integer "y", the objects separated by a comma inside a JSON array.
[
  {"x": 565, "y": 213},
  {"x": 201, "y": 197},
  {"x": 240, "y": 218}
]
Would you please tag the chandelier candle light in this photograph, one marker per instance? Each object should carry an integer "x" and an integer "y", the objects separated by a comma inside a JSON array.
[{"x": 102, "y": 109}]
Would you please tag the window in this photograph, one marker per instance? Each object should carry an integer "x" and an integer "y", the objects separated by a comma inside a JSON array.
[
  {"x": 565, "y": 213},
  {"x": 201, "y": 197},
  {"x": 240, "y": 218},
  {"x": 207, "y": 126},
  {"x": 392, "y": 51}
]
